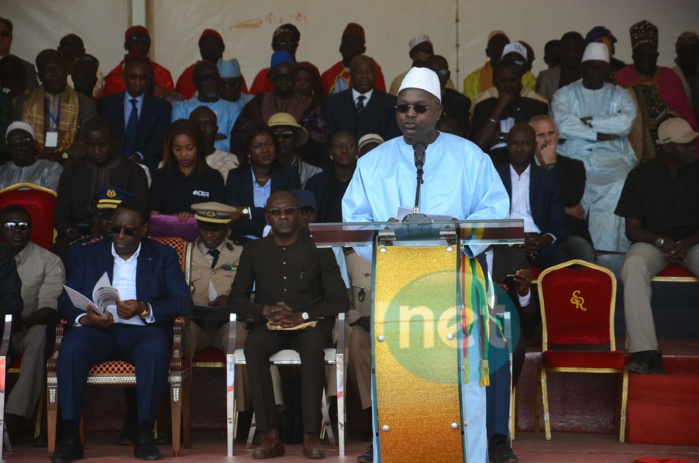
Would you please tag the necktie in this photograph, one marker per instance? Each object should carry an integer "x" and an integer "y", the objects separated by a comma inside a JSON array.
[
  {"x": 214, "y": 253},
  {"x": 360, "y": 103},
  {"x": 131, "y": 126}
]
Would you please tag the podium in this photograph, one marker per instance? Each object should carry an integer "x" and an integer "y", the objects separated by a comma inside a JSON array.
[{"x": 428, "y": 304}]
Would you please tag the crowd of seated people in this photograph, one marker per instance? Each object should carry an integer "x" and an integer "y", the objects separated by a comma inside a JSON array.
[{"x": 597, "y": 156}]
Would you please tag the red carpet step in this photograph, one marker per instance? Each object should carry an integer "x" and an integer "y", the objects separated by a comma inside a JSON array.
[{"x": 664, "y": 409}]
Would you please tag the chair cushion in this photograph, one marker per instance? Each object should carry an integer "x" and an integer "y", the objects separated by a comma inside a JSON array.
[
  {"x": 559, "y": 359},
  {"x": 675, "y": 271},
  {"x": 113, "y": 368}
]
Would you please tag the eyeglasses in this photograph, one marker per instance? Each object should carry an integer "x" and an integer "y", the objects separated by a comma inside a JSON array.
[
  {"x": 12, "y": 226},
  {"x": 418, "y": 108},
  {"x": 124, "y": 230},
  {"x": 105, "y": 215},
  {"x": 278, "y": 211},
  {"x": 284, "y": 133},
  {"x": 20, "y": 142},
  {"x": 4, "y": 33},
  {"x": 288, "y": 43}
]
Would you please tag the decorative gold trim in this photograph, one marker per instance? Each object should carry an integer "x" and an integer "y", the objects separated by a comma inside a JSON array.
[
  {"x": 31, "y": 186},
  {"x": 209, "y": 364},
  {"x": 671, "y": 279}
]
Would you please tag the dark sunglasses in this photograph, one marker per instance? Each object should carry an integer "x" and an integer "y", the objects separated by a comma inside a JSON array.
[
  {"x": 12, "y": 226},
  {"x": 284, "y": 134},
  {"x": 278, "y": 212},
  {"x": 126, "y": 231},
  {"x": 418, "y": 108},
  {"x": 20, "y": 142},
  {"x": 105, "y": 215}
]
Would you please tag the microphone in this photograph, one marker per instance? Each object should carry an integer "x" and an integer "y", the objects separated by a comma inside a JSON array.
[{"x": 419, "y": 143}]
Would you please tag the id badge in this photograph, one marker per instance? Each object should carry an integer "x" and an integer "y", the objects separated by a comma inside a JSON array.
[{"x": 51, "y": 140}]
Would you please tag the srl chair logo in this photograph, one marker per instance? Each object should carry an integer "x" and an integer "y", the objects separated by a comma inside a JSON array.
[{"x": 578, "y": 301}]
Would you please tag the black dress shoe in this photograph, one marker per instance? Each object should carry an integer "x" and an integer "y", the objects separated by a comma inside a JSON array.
[
  {"x": 68, "y": 451},
  {"x": 145, "y": 448},
  {"x": 40, "y": 441},
  {"x": 500, "y": 451},
  {"x": 649, "y": 362},
  {"x": 368, "y": 455}
]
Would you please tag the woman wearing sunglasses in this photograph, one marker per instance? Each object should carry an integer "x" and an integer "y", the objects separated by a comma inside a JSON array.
[
  {"x": 255, "y": 179},
  {"x": 183, "y": 177},
  {"x": 329, "y": 186}
]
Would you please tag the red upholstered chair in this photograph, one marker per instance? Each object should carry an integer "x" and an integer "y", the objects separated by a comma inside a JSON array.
[
  {"x": 577, "y": 301},
  {"x": 121, "y": 374},
  {"x": 40, "y": 202},
  {"x": 676, "y": 274}
]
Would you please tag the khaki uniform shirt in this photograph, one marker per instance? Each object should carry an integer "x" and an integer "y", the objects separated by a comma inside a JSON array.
[
  {"x": 205, "y": 281},
  {"x": 42, "y": 276}
]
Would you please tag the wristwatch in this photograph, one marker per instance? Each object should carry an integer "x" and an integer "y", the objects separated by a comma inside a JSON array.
[
  {"x": 659, "y": 241},
  {"x": 146, "y": 312},
  {"x": 305, "y": 316},
  {"x": 246, "y": 211}
]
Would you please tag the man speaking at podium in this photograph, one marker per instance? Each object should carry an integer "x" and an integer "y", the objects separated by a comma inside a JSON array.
[{"x": 459, "y": 181}]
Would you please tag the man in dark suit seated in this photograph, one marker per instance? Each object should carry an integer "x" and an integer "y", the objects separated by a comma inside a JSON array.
[
  {"x": 363, "y": 108},
  {"x": 571, "y": 177},
  {"x": 152, "y": 293},
  {"x": 298, "y": 294},
  {"x": 10, "y": 285},
  {"x": 535, "y": 197},
  {"x": 139, "y": 119}
]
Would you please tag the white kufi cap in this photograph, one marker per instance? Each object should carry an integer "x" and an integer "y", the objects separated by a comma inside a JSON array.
[
  {"x": 596, "y": 51},
  {"x": 21, "y": 126},
  {"x": 424, "y": 79}
]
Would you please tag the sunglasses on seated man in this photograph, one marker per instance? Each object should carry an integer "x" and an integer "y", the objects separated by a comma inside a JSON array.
[{"x": 11, "y": 226}]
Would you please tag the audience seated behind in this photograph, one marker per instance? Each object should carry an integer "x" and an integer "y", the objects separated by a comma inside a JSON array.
[
  {"x": 28, "y": 72},
  {"x": 568, "y": 69},
  {"x": 352, "y": 44},
  {"x": 258, "y": 176},
  {"x": 24, "y": 167},
  {"x": 482, "y": 79},
  {"x": 136, "y": 38},
  {"x": 330, "y": 185},
  {"x": 571, "y": 178},
  {"x": 139, "y": 119},
  {"x": 454, "y": 105},
  {"x": 291, "y": 136},
  {"x": 363, "y": 108},
  {"x": 285, "y": 37},
  {"x": 283, "y": 98},
  {"x": 211, "y": 48},
  {"x": 222, "y": 161},
  {"x": 206, "y": 79},
  {"x": 535, "y": 197},
  {"x": 232, "y": 83},
  {"x": 102, "y": 166},
  {"x": 497, "y": 109},
  {"x": 55, "y": 111},
  {"x": 184, "y": 178}
]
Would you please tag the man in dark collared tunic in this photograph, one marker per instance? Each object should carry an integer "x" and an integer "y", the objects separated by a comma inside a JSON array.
[{"x": 295, "y": 284}]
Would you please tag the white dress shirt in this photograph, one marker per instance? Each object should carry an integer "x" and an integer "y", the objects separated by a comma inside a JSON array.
[
  {"x": 367, "y": 97},
  {"x": 519, "y": 203}
]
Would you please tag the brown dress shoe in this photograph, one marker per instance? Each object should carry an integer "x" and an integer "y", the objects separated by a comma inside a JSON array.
[
  {"x": 312, "y": 448},
  {"x": 270, "y": 447}
]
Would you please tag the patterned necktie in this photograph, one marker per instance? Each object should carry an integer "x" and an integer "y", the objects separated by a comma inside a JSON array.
[
  {"x": 214, "y": 253},
  {"x": 360, "y": 103},
  {"x": 131, "y": 127}
]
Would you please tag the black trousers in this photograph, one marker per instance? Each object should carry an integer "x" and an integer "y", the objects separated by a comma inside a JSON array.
[{"x": 310, "y": 343}]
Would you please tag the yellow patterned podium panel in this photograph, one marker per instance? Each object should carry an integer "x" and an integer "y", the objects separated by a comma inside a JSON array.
[{"x": 415, "y": 355}]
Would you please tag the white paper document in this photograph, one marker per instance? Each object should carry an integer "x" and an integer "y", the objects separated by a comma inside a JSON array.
[{"x": 104, "y": 299}]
